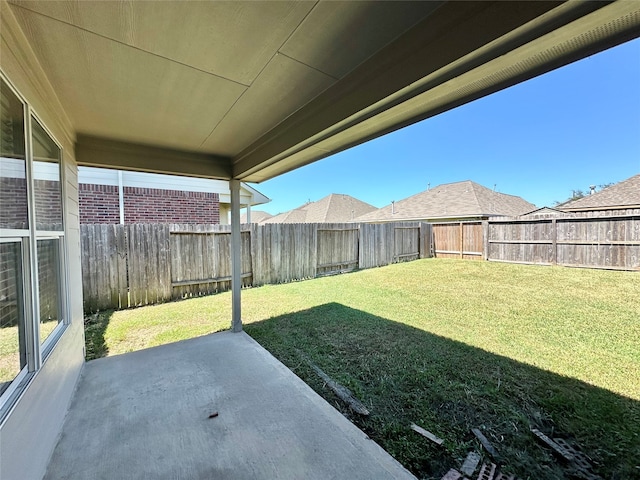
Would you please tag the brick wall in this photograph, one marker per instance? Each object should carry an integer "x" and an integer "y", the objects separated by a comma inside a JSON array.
[
  {"x": 10, "y": 278},
  {"x": 13, "y": 198},
  {"x": 13, "y": 201},
  {"x": 99, "y": 204},
  {"x": 48, "y": 202}
]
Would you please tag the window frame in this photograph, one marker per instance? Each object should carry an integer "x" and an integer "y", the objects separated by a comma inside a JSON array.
[
  {"x": 45, "y": 348},
  {"x": 36, "y": 353},
  {"x": 25, "y": 289}
]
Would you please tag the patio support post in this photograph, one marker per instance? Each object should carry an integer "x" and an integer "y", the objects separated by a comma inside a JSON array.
[{"x": 236, "y": 257}]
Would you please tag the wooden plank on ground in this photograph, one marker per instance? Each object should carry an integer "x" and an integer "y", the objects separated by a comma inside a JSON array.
[
  {"x": 342, "y": 392},
  {"x": 485, "y": 443},
  {"x": 562, "y": 452},
  {"x": 426, "y": 434}
]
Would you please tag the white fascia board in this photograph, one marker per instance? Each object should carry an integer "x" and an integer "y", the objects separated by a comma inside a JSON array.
[
  {"x": 172, "y": 182},
  {"x": 248, "y": 196},
  {"x": 15, "y": 168},
  {"x": 12, "y": 168},
  {"x": 97, "y": 176},
  {"x": 244, "y": 199},
  {"x": 258, "y": 198},
  {"x": 105, "y": 176}
]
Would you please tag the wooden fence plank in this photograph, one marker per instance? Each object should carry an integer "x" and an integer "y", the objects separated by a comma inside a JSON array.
[
  {"x": 86, "y": 243},
  {"x": 130, "y": 265},
  {"x": 336, "y": 248},
  {"x": 425, "y": 240},
  {"x": 460, "y": 240},
  {"x": 597, "y": 241},
  {"x": 123, "y": 275},
  {"x": 406, "y": 242},
  {"x": 114, "y": 288},
  {"x": 134, "y": 265}
]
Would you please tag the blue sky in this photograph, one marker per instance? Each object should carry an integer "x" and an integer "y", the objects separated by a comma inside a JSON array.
[{"x": 571, "y": 128}]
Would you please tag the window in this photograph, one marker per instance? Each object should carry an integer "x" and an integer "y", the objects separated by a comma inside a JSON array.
[
  {"x": 14, "y": 221},
  {"x": 49, "y": 286},
  {"x": 46, "y": 180},
  {"x": 32, "y": 244},
  {"x": 13, "y": 354},
  {"x": 47, "y": 189}
]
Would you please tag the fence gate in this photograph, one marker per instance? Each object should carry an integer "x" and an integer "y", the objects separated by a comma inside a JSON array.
[
  {"x": 337, "y": 245},
  {"x": 407, "y": 242},
  {"x": 458, "y": 240},
  {"x": 201, "y": 259}
]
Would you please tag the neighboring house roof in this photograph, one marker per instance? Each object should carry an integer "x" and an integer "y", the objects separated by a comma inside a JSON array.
[
  {"x": 625, "y": 194},
  {"x": 543, "y": 211},
  {"x": 334, "y": 208},
  {"x": 451, "y": 200},
  {"x": 297, "y": 215},
  {"x": 257, "y": 216}
]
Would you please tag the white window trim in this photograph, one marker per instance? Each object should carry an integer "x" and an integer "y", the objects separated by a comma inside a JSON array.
[
  {"x": 36, "y": 353},
  {"x": 13, "y": 390}
]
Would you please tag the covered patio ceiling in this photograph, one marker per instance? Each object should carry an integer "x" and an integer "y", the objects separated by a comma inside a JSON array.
[{"x": 250, "y": 90}]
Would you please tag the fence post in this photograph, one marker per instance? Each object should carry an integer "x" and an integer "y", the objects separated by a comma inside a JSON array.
[
  {"x": 461, "y": 240},
  {"x": 426, "y": 239},
  {"x": 485, "y": 240},
  {"x": 554, "y": 242},
  {"x": 253, "y": 228}
]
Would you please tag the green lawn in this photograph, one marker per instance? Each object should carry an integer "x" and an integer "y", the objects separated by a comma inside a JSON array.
[
  {"x": 450, "y": 345},
  {"x": 10, "y": 349}
]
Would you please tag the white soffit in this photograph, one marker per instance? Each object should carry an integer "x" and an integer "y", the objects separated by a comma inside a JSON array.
[
  {"x": 211, "y": 77},
  {"x": 231, "y": 39},
  {"x": 335, "y": 40},
  {"x": 110, "y": 89},
  {"x": 255, "y": 89},
  {"x": 455, "y": 84},
  {"x": 279, "y": 90}
]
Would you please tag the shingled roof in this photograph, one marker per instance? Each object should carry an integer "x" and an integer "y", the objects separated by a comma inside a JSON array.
[
  {"x": 625, "y": 194},
  {"x": 257, "y": 216},
  {"x": 451, "y": 200},
  {"x": 334, "y": 208}
]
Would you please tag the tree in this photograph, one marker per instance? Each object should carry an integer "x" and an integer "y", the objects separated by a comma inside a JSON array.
[{"x": 577, "y": 194}]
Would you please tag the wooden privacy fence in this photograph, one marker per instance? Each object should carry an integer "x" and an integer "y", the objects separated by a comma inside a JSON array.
[
  {"x": 611, "y": 242},
  {"x": 459, "y": 240},
  {"x": 200, "y": 259},
  {"x": 132, "y": 265}
]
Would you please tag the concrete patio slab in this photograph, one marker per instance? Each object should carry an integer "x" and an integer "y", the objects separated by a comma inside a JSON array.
[{"x": 145, "y": 415}]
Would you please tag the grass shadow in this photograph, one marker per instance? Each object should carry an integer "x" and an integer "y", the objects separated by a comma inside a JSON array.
[
  {"x": 95, "y": 326},
  {"x": 404, "y": 375}
]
